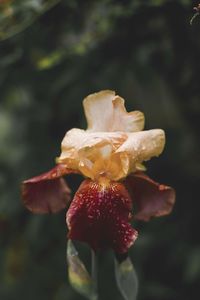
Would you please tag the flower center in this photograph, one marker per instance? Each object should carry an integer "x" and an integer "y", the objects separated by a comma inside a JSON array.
[{"x": 103, "y": 162}]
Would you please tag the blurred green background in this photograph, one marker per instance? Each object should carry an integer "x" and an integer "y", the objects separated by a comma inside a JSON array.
[{"x": 64, "y": 50}]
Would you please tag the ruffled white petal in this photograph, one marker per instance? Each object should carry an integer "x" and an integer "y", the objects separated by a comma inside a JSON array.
[
  {"x": 79, "y": 139},
  {"x": 126, "y": 121},
  {"x": 90, "y": 152},
  {"x": 105, "y": 111},
  {"x": 113, "y": 145},
  {"x": 98, "y": 109},
  {"x": 141, "y": 146}
]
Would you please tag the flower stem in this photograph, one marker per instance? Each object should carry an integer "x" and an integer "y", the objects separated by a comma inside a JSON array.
[{"x": 94, "y": 273}]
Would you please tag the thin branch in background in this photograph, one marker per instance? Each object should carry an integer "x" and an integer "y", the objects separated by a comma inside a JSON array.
[{"x": 197, "y": 9}]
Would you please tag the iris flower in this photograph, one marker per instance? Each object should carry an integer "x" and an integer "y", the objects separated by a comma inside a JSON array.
[{"x": 110, "y": 155}]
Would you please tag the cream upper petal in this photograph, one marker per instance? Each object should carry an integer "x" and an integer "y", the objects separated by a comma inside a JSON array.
[
  {"x": 79, "y": 138},
  {"x": 105, "y": 111},
  {"x": 91, "y": 152},
  {"x": 98, "y": 109},
  {"x": 79, "y": 144},
  {"x": 73, "y": 138},
  {"x": 114, "y": 144},
  {"x": 126, "y": 121},
  {"x": 141, "y": 146}
]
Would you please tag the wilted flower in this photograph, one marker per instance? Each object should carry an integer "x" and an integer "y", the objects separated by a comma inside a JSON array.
[{"x": 109, "y": 154}]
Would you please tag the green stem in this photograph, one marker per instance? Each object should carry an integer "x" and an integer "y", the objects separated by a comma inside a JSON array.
[
  {"x": 194, "y": 17},
  {"x": 94, "y": 273}
]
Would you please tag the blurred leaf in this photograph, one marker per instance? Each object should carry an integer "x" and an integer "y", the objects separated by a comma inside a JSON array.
[
  {"x": 149, "y": 54},
  {"x": 15, "y": 260},
  {"x": 79, "y": 277},
  {"x": 15, "y": 16},
  {"x": 192, "y": 267},
  {"x": 10, "y": 58},
  {"x": 126, "y": 279},
  {"x": 50, "y": 60},
  {"x": 162, "y": 2}
]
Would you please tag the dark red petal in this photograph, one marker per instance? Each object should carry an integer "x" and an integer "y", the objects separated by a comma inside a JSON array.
[
  {"x": 47, "y": 192},
  {"x": 99, "y": 215},
  {"x": 152, "y": 199}
]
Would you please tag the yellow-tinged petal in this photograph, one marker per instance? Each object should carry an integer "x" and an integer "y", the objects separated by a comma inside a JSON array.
[
  {"x": 80, "y": 140},
  {"x": 70, "y": 146},
  {"x": 90, "y": 152},
  {"x": 105, "y": 111},
  {"x": 114, "y": 144},
  {"x": 141, "y": 146}
]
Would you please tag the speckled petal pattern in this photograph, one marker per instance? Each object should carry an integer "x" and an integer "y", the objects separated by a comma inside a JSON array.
[{"x": 99, "y": 215}]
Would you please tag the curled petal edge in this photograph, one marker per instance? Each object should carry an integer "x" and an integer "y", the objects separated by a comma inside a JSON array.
[
  {"x": 151, "y": 198},
  {"x": 143, "y": 145},
  {"x": 48, "y": 192},
  {"x": 115, "y": 117}
]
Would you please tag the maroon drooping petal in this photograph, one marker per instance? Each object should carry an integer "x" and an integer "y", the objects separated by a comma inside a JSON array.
[
  {"x": 151, "y": 198},
  {"x": 99, "y": 215},
  {"x": 48, "y": 192}
]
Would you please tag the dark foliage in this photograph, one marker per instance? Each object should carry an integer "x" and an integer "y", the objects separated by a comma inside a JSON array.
[{"x": 146, "y": 51}]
